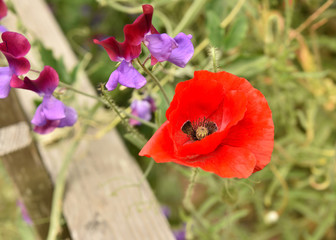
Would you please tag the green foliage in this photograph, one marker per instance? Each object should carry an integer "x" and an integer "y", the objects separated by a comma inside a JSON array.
[
  {"x": 49, "y": 59},
  {"x": 294, "y": 196}
]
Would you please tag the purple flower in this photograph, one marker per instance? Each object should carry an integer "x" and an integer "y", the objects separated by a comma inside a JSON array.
[
  {"x": 51, "y": 113},
  {"x": 166, "y": 211},
  {"x": 24, "y": 213},
  {"x": 3, "y": 29},
  {"x": 161, "y": 46},
  {"x": 180, "y": 234},
  {"x": 5, "y": 77},
  {"x": 127, "y": 76},
  {"x": 142, "y": 109},
  {"x": 14, "y": 46},
  {"x": 164, "y": 48}
]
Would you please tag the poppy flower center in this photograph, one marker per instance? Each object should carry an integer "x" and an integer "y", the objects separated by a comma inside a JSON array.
[{"x": 199, "y": 129}]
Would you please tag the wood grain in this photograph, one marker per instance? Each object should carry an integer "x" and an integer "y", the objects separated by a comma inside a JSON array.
[{"x": 106, "y": 196}]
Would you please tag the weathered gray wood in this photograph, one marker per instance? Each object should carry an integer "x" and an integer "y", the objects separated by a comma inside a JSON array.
[
  {"x": 103, "y": 199},
  {"x": 22, "y": 161}
]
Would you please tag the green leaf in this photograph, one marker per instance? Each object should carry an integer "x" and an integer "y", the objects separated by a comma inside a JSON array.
[
  {"x": 236, "y": 33},
  {"x": 49, "y": 59},
  {"x": 215, "y": 32},
  {"x": 135, "y": 140},
  {"x": 248, "y": 66}
]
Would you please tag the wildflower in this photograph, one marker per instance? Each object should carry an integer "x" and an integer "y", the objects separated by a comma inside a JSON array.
[
  {"x": 142, "y": 109},
  {"x": 24, "y": 212},
  {"x": 161, "y": 46},
  {"x": 218, "y": 122},
  {"x": 3, "y": 9},
  {"x": 14, "y": 46},
  {"x": 128, "y": 50},
  {"x": 180, "y": 234},
  {"x": 51, "y": 113}
]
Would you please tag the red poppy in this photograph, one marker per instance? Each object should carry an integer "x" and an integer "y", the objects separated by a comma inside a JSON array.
[{"x": 218, "y": 122}]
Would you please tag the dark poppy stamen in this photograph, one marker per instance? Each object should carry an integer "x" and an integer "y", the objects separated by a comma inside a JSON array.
[{"x": 199, "y": 129}]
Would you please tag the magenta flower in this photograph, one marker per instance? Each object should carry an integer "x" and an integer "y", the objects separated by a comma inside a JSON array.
[
  {"x": 142, "y": 109},
  {"x": 161, "y": 46},
  {"x": 3, "y": 9},
  {"x": 128, "y": 50},
  {"x": 51, "y": 113},
  {"x": 14, "y": 46}
]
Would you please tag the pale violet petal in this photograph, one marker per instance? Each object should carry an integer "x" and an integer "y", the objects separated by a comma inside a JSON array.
[
  {"x": 181, "y": 55},
  {"x": 160, "y": 46},
  {"x": 53, "y": 108}
]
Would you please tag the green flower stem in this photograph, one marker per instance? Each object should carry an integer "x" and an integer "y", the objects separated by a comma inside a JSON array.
[
  {"x": 147, "y": 123},
  {"x": 58, "y": 194},
  {"x": 195, "y": 8},
  {"x": 69, "y": 87},
  {"x": 214, "y": 59},
  {"x": 187, "y": 197},
  {"x": 232, "y": 14},
  {"x": 187, "y": 203},
  {"x": 144, "y": 122},
  {"x": 129, "y": 128},
  {"x": 157, "y": 82}
]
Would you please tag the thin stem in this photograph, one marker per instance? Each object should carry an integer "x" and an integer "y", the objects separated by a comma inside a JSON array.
[
  {"x": 147, "y": 123},
  {"x": 129, "y": 128},
  {"x": 35, "y": 71},
  {"x": 195, "y": 8},
  {"x": 67, "y": 86},
  {"x": 61, "y": 180},
  {"x": 214, "y": 59},
  {"x": 187, "y": 203},
  {"x": 312, "y": 17},
  {"x": 157, "y": 82},
  {"x": 232, "y": 14},
  {"x": 144, "y": 122}
]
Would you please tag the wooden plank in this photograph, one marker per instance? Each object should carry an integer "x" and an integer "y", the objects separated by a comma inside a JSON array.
[
  {"x": 104, "y": 199},
  {"x": 22, "y": 161}
]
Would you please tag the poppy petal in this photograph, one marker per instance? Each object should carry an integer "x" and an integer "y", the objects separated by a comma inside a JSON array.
[
  {"x": 160, "y": 146},
  {"x": 226, "y": 161},
  {"x": 229, "y": 113},
  {"x": 256, "y": 131}
]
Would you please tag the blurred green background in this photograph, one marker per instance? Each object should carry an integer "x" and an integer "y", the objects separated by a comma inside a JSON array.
[{"x": 287, "y": 50}]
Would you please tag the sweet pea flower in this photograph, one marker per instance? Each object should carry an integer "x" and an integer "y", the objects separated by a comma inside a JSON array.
[
  {"x": 128, "y": 50},
  {"x": 51, "y": 113},
  {"x": 3, "y": 9},
  {"x": 14, "y": 46},
  {"x": 142, "y": 109},
  {"x": 162, "y": 47}
]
